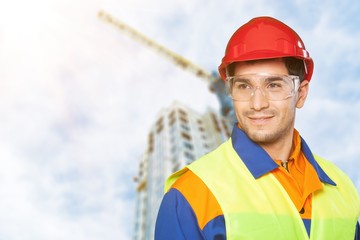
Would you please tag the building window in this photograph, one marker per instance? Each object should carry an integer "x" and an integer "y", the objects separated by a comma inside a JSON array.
[
  {"x": 172, "y": 121},
  {"x": 182, "y": 112},
  {"x": 216, "y": 123},
  {"x": 159, "y": 122},
  {"x": 185, "y": 127},
  {"x": 184, "y": 119},
  {"x": 189, "y": 146},
  {"x": 176, "y": 167},
  {"x": 186, "y": 136},
  {"x": 172, "y": 114},
  {"x": 150, "y": 143},
  {"x": 159, "y": 125},
  {"x": 172, "y": 118},
  {"x": 189, "y": 156},
  {"x": 226, "y": 128},
  {"x": 159, "y": 129}
]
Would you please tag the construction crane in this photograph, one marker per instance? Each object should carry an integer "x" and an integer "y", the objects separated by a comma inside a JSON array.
[{"x": 216, "y": 85}]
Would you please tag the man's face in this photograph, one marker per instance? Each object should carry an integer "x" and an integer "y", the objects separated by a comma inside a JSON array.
[{"x": 266, "y": 121}]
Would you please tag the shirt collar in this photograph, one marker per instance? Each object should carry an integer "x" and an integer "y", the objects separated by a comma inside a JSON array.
[{"x": 251, "y": 154}]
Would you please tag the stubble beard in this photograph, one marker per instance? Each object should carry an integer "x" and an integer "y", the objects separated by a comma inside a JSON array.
[{"x": 264, "y": 136}]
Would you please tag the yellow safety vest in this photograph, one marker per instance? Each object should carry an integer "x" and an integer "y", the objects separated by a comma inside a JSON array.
[{"x": 261, "y": 208}]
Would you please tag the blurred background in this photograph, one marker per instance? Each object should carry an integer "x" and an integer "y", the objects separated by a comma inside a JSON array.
[{"x": 78, "y": 97}]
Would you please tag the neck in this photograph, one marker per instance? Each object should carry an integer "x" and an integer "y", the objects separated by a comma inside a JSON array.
[{"x": 281, "y": 149}]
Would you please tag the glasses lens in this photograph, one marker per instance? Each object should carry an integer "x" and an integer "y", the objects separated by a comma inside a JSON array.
[{"x": 273, "y": 87}]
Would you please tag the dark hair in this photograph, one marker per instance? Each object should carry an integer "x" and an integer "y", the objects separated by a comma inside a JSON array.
[{"x": 293, "y": 65}]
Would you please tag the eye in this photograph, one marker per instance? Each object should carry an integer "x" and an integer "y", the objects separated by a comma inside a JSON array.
[
  {"x": 241, "y": 85},
  {"x": 275, "y": 85}
]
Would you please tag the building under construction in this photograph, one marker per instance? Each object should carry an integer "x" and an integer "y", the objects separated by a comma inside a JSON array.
[{"x": 178, "y": 136}]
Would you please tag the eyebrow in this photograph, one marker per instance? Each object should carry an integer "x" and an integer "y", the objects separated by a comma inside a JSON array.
[
  {"x": 272, "y": 78},
  {"x": 242, "y": 79}
]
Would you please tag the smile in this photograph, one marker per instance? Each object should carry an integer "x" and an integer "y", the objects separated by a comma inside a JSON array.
[{"x": 260, "y": 119}]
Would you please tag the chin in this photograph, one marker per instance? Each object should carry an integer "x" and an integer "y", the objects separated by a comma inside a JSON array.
[{"x": 262, "y": 137}]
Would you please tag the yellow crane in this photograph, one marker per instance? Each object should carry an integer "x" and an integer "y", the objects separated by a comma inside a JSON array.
[{"x": 215, "y": 83}]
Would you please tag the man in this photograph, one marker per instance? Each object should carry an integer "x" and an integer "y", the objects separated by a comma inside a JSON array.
[{"x": 264, "y": 182}]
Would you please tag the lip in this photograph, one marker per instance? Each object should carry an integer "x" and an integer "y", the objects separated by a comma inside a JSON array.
[{"x": 260, "y": 120}]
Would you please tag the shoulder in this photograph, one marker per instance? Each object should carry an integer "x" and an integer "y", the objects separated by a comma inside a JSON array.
[
  {"x": 189, "y": 211},
  {"x": 331, "y": 169},
  {"x": 209, "y": 163},
  {"x": 336, "y": 174},
  {"x": 199, "y": 197},
  {"x": 176, "y": 219}
]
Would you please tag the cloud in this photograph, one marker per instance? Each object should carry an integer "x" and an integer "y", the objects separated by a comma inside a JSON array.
[{"x": 78, "y": 97}]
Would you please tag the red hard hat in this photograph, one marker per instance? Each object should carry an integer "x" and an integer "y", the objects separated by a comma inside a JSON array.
[{"x": 264, "y": 38}]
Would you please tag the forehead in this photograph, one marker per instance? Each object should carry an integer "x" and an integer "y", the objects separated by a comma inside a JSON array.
[{"x": 270, "y": 66}]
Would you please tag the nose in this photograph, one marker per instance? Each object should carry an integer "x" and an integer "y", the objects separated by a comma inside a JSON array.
[{"x": 258, "y": 100}]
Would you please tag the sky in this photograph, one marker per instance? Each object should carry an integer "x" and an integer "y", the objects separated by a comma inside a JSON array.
[{"x": 78, "y": 97}]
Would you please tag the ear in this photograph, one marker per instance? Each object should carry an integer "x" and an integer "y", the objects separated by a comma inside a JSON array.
[{"x": 302, "y": 93}]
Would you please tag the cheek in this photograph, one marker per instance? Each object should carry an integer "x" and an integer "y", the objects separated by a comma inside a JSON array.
[
  {"x": 284, "y": 109},
  {"x": 239, "y": 107},
  {"x": 288, "y": 111}
]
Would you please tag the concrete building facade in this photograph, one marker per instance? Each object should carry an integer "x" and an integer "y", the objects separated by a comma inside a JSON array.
[{"x": 178, "y": 137}]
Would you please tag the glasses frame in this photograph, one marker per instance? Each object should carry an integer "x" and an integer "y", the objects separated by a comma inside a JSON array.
[{"x": 293, "y": 78}]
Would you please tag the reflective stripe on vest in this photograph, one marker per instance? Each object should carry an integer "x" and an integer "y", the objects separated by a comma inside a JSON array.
[{"x": 261, "y": 208}]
